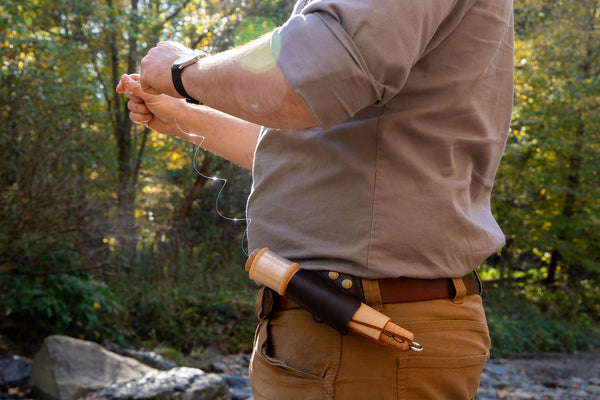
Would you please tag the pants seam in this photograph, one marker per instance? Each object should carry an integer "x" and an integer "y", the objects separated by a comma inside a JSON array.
[{"x": 332, "y": 375}]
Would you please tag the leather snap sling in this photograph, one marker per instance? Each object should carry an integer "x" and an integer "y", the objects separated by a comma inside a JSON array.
[{"x": 396, "y": 290}]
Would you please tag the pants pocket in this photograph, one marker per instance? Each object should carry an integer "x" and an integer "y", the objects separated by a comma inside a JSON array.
[
  {"x": 273, "y": 377},
  {"x": 451, "y": 364},
  {"x": 451, "y": 378}
]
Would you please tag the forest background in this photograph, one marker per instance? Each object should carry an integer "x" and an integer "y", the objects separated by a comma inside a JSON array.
[{"x": 108, "y": 231}]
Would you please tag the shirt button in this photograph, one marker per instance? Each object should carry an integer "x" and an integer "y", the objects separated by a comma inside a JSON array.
[
  {"x": 347, "y": 283},
  {"x": 333, "y": 275}
]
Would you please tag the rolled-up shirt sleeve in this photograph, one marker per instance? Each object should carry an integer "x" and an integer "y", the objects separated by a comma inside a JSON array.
[{"x": 341, "y": 56}]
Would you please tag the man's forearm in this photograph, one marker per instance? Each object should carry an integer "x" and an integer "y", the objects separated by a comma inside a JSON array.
[
  {"x": 247, "y": 82},
  {"x": 222, "y": 134}
]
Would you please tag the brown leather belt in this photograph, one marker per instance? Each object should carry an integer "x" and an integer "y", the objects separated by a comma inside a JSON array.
[{"x": 404, "y": 290}]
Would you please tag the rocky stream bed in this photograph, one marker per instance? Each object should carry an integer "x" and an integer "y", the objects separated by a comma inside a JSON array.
[{"x": 551, "y": 376}]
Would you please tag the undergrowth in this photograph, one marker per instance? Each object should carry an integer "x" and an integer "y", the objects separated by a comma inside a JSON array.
[{"x": 519, "y": 323}]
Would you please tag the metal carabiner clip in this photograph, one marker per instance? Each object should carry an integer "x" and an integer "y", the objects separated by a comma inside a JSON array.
[{"x": 414, "y": 346}]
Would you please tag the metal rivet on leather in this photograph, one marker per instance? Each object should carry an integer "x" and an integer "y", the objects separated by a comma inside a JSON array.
[
  {"x": 333, "y": 275},
  {"x": 347, "y": 283}
]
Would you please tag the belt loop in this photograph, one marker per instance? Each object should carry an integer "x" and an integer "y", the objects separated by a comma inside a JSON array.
[
  {"x": 372, "y": 293},
  {"x": 265, "y": 303},
  {"x": 461, "y": 290},
  {"x": 479, "y": 284}
]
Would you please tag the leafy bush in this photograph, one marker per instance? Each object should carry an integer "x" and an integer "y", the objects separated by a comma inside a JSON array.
[
  {"x": 521, "y": 324},
  {"x": 192, "y": 320},
  {"x": 63, "y": 304}
]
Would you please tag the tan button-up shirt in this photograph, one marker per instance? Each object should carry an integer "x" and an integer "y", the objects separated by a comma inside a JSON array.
[{"x": 413, "y": 100}]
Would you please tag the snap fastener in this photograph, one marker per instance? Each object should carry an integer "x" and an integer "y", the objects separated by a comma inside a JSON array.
[
  {"x": 347, "y": 283},
  {"x": 333, "y": 275}
]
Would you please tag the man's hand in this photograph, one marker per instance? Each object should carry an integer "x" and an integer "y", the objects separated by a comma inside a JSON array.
[
  {"x": 220, "y": 133},
  {"x": 155, "y": 73},
  {"x": 158, "y": 112}
]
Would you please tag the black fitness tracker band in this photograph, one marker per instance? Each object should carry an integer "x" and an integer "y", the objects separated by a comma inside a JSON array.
[{"x": 178, "y": 66}]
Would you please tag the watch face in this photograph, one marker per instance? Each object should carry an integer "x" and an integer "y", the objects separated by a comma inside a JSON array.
[{"x": 186, "y": 60}]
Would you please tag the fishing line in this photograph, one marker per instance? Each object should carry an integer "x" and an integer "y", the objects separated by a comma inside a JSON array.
[{"x": 215, "y": 179}]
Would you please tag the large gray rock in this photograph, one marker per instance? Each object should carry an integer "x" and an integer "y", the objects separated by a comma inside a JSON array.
[
  {"x": 66, "y": 368},
  {"x": 178, "y": 384}
]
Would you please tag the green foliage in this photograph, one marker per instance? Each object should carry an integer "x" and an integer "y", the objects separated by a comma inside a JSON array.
[
  {"x": 67, "y": 304},
  {"x": 199, "y": 309},
  {"x": 197, "y": 321},
  {"x": 546, "y": 193},
  {"x": 69, "y": 161},
  {"x": 253, "y": 28},
  {"x": 521, "y": 323}
]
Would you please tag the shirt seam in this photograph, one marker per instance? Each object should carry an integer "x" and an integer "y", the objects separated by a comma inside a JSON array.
[
  {"x": 501, "y": 44},
  {"x": 378, "y": 134}
]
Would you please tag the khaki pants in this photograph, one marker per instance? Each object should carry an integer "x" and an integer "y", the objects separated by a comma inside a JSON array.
[{"x": 296, "y": 357}]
